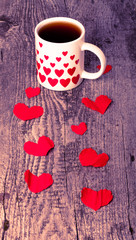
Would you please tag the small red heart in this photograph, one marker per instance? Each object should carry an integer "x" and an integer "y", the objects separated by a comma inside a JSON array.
[
  {"x": 23, "y": 112},
  {"x": 65, "y": 82},
  {"x": 39, "y": 149},
  {"x": 107, "y": 69},
  {"x": 65, "y": 65},
  {"x": 72, "y": 57},
  {"x": 58, "y": 59},
  {"x": 59, "y": 73},
  {"x": 89, "y": 157},
  {"x": 77, "y": 61},
  {"x": 37, "y": 51},
  {"x": 79, "y": 129},
  {"x": 32, "y": 92},
  {"x": 47, "y": 70},
  {"x": 96, "y": 199},
  {"x": 52, "y": 81},
  {"x": 75, "y": 79},
  {"x": 52, "y": 64},
  {"x": 71, "y": 71},
  {"x": 36, "y": 71},
  {"x": 40, "y": 44},
  {"x": 42, "y": 77},
  {"x": 41, "y": 60},
  {"x": 46, "y": 57},
  {"x": 38, "y": 65},
  {"x": 65, "y": 53},
  {"x": 38, "y": 184},
  {"x": 100, "y": 105}
]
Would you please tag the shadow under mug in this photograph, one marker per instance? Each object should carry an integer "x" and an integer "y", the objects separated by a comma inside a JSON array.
[{"x": 60, "y": 65}]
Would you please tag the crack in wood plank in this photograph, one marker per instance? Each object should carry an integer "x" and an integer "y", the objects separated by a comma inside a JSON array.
[
  {"x": 77, "y": 235},
  {"x": 129, "y": 221},
  {"x": 6, "y": 222},
  {"x": 1, "y": 55}
]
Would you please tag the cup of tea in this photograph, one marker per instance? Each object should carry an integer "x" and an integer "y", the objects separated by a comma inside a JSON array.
[{"x": 60, "y": 45}]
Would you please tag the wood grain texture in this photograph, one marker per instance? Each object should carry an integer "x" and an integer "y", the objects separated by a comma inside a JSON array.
[{"x": 58, "y": 213}]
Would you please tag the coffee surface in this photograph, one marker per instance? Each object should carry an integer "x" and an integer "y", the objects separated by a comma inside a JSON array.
[{"x": 59, "y": 32}]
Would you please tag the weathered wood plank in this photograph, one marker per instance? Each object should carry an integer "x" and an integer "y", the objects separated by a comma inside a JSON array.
[{"x": 58, "y": 212}]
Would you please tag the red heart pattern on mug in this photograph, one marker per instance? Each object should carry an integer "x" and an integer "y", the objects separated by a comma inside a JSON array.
[
  {"x": 47, "y": 70},
  {"x": 72, "y": 57},
  {"x": 77, "y": 61},
  {"x": 65, "y": 82},
  {"x": 37, "y": 51},
  {"x": 75, "y": 79},
  {"x": 42, "y": 77},
  {"x": 65, "y": 65},
  {"x": 58, "y": 72},
  {"x": 65, "y": 53},
  {"x": 40, "y": 44},
  {"x": 58, "y": 59},
  {"x": 46, "y": 57},
  {"x": 52, "y": 64},
  {"x": 38, "y": 65},
  {"x": 52, "y": 81},
  {"x": 71, "y": 71}
]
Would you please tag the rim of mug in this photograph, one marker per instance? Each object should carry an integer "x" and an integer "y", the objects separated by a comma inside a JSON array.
[{"x": 60, "y": 19}]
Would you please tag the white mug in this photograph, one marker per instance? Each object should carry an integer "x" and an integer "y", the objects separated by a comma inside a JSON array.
[{"x": 60, "y": 65}]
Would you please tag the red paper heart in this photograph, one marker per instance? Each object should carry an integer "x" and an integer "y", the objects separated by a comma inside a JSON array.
[
  {"x": 89, "y": 157},
  {"x": 65, "y": 53},
  {"x": 58, "y": 59},
  {"x": 52, "y": 81},
  {"x": 32, "y": 92},
  {"x": 75, "y": 79},
  {"x": 39, "y": 149},
  {"x": 38, "y": 65},
  {"x": 65, "y": 65},
  {"x": 42, "y": 77},
  {"x": 37, "y": 51},
  {"x": 71, "y": 71},
  {"x": 94, "y": 199},
  {"x": 65, "y": 82},
  {"x": 77, "y": 61},
  {"x": 52, "y": 64},
  {"x": 38, "y": 184},
  {"x": 107, "y": 69},
  {"x": 79, "y": 129},
  {"x": 41, "y": 60},
  {"x": 40, "y": 44},
  {"x": 47, "y": 70},
  {"x": 100, "y": 105},
  {"x": 46, "y": 57},
  {"x": 23, "y": 112},
  {"x": 59, "y": 73}
]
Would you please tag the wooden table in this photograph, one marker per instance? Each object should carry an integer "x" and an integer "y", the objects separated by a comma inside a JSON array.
[{"x": 58, "y": 213}]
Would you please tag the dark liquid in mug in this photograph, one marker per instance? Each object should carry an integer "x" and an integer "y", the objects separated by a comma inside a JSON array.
[{"x": 59, "y": 32}]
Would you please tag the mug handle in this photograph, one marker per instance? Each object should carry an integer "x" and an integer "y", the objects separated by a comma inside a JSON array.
[{"x": 100, "y": 55}]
